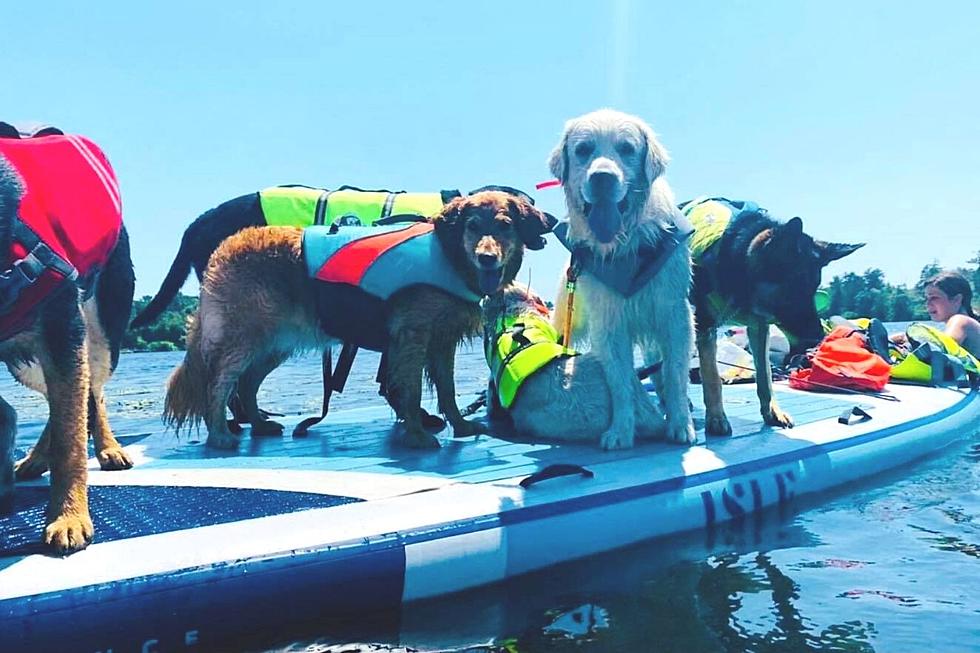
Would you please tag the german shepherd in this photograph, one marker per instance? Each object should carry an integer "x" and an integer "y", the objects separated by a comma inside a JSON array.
[
  {"x": 483, "y": 236},
  {"x": 62, "y": 334},
  {"x": 758, "y": 272}
]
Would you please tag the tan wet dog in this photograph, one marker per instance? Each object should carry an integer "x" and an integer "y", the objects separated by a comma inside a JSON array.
[{"x": 483, "y": 237}]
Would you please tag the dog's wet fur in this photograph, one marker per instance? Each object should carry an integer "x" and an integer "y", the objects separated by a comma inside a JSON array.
[
  {"x": 68, "y": 354},
  {"x": 611, "y": 167},
  {"x": 483, "y": 236},
  {"x": 768, "y": 272}
]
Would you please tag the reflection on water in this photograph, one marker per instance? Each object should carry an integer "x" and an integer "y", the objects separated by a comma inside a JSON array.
[{"x": 892, "y": 564}]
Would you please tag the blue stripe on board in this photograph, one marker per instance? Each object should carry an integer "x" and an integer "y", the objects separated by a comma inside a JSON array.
[
  {"x": 203, "y": 609},
  {"x": 611, "y": 497}
]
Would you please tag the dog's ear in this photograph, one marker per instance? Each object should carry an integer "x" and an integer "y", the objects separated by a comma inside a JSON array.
[
  {"x": 558, "y": 161},
  {"x": 657, "y": 158},
  {"x": 450, "y": 221},
  {"x": 832, "y": 251},
  {"x": 531, "y": 224}
]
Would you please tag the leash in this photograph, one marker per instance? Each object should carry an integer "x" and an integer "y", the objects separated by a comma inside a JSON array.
[{"x": 571, "y": 279}]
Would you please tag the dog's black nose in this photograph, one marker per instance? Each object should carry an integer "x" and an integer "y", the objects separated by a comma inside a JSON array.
[
  {"x": 487, "y": 260},
  {"x": 602, "y": 182}
]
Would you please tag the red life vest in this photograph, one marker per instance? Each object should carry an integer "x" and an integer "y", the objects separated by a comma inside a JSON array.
[
  {"x": 843, "y": 360},
  {"x": 67, "y": 221}
]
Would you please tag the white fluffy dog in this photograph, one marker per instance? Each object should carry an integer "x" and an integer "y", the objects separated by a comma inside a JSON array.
[
  {"x": 629, "y": 239},
  {"x": 568, "y": 397}
]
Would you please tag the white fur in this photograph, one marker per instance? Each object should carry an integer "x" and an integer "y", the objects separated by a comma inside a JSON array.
[{"x": 658, "y": 316}]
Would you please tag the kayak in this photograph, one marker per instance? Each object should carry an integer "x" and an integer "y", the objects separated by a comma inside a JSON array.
[{"x": 195, "y": 547}]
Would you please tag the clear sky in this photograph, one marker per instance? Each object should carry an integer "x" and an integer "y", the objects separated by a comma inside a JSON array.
[{"x": 861, "y": 117}]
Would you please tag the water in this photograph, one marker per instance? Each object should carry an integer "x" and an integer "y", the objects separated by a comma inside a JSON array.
[{"x": 890, "y": 564}]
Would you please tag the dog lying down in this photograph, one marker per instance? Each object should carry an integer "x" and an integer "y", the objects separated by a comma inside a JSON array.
[
  {"x": 550, "y": 391},
  {"x": 412, "y": 291}
]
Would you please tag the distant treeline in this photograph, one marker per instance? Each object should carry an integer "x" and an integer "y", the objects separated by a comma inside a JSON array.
[
  {"x": 168, "y": 332},
  {"x": 869, "y": 295},
  {"x": 851, "y": 295}
]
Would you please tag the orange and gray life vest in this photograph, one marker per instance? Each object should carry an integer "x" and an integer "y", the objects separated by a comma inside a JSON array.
[
  {"x": 520, "y": 347},
  {"x": 357, "y": 269},
  {"x": 67, "y": 220}
]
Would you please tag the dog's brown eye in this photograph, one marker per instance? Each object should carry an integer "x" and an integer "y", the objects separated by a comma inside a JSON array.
[
  {"x": 626, "y": 149},
  {"x": 584, "y": 149}
]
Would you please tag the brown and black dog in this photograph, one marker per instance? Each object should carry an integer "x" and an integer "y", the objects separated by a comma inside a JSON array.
[
  {"x": 481, "y": 236},
  {"x": 66, "y": 292},
  {"x": 755, "y": 270}
]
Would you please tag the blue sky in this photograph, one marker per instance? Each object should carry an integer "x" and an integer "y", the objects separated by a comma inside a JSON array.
[{"x": 860, "y": 117}]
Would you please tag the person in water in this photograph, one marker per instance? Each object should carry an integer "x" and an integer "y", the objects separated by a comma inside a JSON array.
[{"x": 949, "y": 299}]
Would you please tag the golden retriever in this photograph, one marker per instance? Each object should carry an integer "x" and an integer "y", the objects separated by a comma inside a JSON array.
[
  {"x": 628, "y": 236},
  {"x": 483, "y": 236}
]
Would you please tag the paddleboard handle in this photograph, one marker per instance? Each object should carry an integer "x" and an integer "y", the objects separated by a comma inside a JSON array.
[
  {"x": 555, "y": 471},
  {"x": 853, "y": 411}
]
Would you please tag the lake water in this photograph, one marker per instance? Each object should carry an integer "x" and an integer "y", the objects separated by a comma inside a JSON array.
[{"x": 889, "y": 564}]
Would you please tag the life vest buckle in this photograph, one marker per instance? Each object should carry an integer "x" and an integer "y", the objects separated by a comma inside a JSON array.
[{"x": 23, "y": 273}]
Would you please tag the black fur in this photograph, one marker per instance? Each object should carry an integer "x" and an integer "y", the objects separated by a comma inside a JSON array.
[
  {"x": 8, "y": 433},
  {"x": 114, "y": 295},
  {"x": 200, "y": 239},
  {"x": 775, "y": 283}
]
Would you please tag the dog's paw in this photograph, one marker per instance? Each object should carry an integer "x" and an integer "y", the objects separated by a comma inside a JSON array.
[
  {"x": 114, "y": 458},
  {"x": 223, "y": 440},
  {"x": 776, "y": 417},
  {"x": 616, "y": 439},
  {"x": 682, "y": 433},
  {"x": 69, "y": 533},
  {"x": 267, "y": 428},
  {"x": 421, "y": 440},
  {"x": 31, "y": 466},
  {"x": 430, "y": 421},
  {"x": 467, "y": 428},
  {"x": 717, "y": 425}
]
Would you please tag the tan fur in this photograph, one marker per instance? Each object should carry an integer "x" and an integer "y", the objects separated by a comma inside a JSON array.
[
  {"x": 262, "y": 269},
  {"x": 69, "y": 525},
  {"x": 108, "y": 451}
]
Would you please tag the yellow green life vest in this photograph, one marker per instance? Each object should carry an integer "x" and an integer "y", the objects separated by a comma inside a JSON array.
[
  {"x": 917, "y": 366},
  {"x": 302, "y": 206},
  {"x": 521, "y": 346}
]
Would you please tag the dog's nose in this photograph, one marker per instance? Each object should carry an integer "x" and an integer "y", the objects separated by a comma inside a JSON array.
[
  {"x": 603, "y": 183},
  {"x": 487, "y": 260}
]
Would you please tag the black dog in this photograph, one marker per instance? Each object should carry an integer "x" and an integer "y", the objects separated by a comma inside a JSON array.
[{"x": 751, "y": 269}]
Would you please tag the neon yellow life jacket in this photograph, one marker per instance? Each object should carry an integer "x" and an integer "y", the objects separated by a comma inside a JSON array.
[
  {"x": 302, "y": 206},
  {"x": 917, "y": 366},
  {"x": 522, "y": 346}
]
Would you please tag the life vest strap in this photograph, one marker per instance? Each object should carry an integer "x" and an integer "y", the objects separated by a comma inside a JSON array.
[{"x": 25, "y": 271}]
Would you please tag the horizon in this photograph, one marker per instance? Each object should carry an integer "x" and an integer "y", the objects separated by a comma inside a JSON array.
[{"x": 860, "y": 119}]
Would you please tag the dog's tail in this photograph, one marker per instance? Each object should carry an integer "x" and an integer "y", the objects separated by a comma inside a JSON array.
[
  {"x": 187, "y": 390},
  {"x": 180, "y": 269}
]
